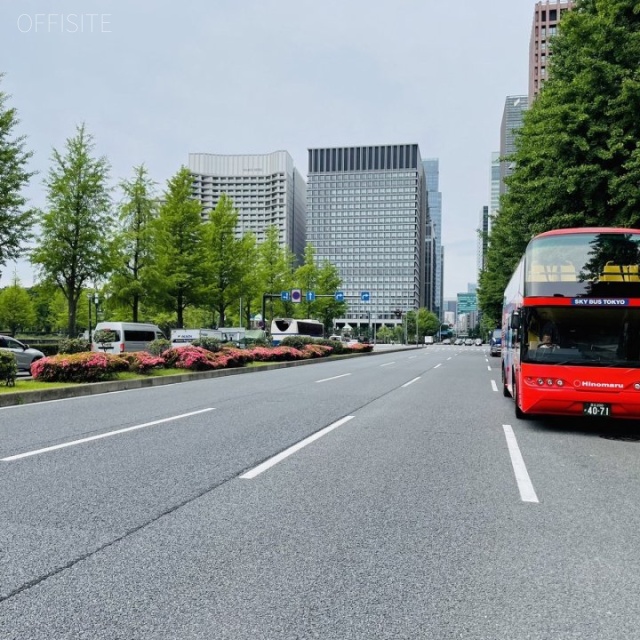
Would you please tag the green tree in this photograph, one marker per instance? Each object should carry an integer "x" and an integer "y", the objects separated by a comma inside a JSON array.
[
  {"x": 329, "y": 282},
  {"x": 137, "y": 211},
  {"x": 275, "y": 273},
  {"x": 249, "y": 283},
  {"x": 76, "y": 230},
  {"x": 306, "y": 278},
  {"x": 224, "y": 260},
  {"x": 176, "y": 277},
  {"x": 15, "y": 220},
  {"x": 16, "y": 308},
  {"x": 577, "y": 159}
]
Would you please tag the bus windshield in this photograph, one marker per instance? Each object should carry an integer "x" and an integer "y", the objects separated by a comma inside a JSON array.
[
  {"x": 583, "y": 264},
  {"x": 602, "y": 337}
]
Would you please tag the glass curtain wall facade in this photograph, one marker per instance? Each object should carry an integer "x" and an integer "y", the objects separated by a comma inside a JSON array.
[
  {"x": 267, "y": 190},
  {"x": 514, "y": 108},
  {"x": 434, "y": 280},
  {"x": 367, "y": 215}
]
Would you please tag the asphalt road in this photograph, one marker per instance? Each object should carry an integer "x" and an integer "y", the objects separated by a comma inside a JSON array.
[{"x": 405, "y": 501}]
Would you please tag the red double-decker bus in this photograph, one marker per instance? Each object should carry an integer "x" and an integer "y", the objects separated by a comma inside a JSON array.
[{"x": 571, "y": 325}]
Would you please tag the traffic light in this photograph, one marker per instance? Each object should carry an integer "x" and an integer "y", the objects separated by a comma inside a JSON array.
[{"x": 398, "y": 313}]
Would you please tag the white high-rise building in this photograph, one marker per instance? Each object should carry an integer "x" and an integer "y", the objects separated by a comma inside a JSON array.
[{"x": 267, "y": 190}]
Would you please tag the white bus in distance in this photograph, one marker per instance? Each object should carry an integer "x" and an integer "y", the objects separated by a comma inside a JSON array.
[{"x": 283, "y": 327}]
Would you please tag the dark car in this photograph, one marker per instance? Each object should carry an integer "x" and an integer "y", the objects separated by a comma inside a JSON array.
[{"x": 495, "y": 343}]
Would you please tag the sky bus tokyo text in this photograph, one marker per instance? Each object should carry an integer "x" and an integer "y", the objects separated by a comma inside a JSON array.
[{"x": 571, "y": 325}]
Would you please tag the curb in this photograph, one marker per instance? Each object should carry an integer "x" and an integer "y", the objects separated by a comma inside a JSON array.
[{"x": 95, "y": 388}]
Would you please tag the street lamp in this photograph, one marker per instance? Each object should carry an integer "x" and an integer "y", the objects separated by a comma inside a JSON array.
[{"x": 92, "y": 297}]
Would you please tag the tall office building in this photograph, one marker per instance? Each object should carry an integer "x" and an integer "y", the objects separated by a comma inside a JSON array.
[
  {"x": 434, "y": 276},
  {"x": 367, "y": 215},
  {"x": 267, "y": 190},
  {"x": 483, "y": 242},
  {"x": 494, "y": 203},
  {"x": 514, "y": 108},
  {"x": 546, "y": 16}
]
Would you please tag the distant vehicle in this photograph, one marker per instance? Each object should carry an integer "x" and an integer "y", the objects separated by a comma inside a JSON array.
[
  {"x": 478, "y": 342},
  {"x": 126, "y": 336},
  {"x": 428, "y": 340},
  {"x": 25, "y": 355},
  {"x": 495, "y": 343},
  {"x": 187, "y": 336},
  {"x": 284, "y": 327},
  {"x": 469, "y": 342},
  {"x": 446, "y": 341},
  {"x": 458, "y": 342}
]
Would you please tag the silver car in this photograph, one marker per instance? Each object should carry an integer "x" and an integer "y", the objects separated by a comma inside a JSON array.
[{"x": 25, "y": 356}]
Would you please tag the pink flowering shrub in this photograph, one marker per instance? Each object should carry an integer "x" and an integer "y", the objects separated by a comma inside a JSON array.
[
  {"x": 316, "y": 351},
  {"x": 358, "y": 347},
  {"x": 78, "y": 367},
  {"x": 276, "y": 354},
  {"x": 142, "y": 362},
  {"x": 237, "y": 357},
  {"x": 194, "y": 359}
]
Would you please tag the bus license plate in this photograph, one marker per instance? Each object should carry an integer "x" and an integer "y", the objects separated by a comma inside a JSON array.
[{"x": 597, "y": 409}]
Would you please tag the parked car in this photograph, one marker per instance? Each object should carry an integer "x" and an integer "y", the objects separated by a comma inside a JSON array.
[
  {"x": 478, "y": 342},
  {"x": 446, "y": 341},
  {"x": 25, "y": 355},
  {"x": 495, "y": 343},
  {"x": 458, "y": 342},
  {"x": 469, "y": 342}
]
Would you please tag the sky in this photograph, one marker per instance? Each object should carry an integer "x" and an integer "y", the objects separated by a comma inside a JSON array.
[{"x": 155, "y": 80}]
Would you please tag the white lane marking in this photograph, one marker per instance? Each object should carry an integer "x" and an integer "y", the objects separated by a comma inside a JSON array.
[
  {"x": 406, "y": 384},
  {"x": 344, "y": 375},
  {"x": 387, "y": 364},
  {"x": 108, "y": 434},
  {"x": 438, "y": 365},
  {"x": 449, "y": 358},
  {"x": 527, "y": 492},
  {"x": 489, "y": 367},
  {"x": 412, "y": 357},
  {"x": 267, "y": 464},
  {"x": 494, "y": 386}
]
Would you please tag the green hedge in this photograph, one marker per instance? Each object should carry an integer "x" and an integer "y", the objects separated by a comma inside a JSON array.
[{"x": 8, "y": 368}]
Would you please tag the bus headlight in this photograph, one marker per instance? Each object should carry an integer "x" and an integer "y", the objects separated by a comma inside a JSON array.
[{"x": 636, "y": 386}]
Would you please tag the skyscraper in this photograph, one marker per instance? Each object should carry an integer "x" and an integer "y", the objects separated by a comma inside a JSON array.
[
  {"x": 546, "y": 16},
  {"x": 514, "y": 108},
  {"x": 367, "y": 215},
  {"x": 434, "y": 280},
  {"x": 267, "y": 190}
]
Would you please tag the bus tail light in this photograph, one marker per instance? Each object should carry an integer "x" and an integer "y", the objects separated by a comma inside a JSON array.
[{"x": 546, "y": 382}]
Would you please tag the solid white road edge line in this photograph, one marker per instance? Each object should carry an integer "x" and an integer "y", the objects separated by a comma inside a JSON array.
[
  {"x": 108, "y": 434},
  {"x": 406, "y": 384},
  {"x": 334, "y": 377},
  {"x": 267, "y": 464},
  {"x": 527, "y": 492},
  {"x": 494, "y": 386}
]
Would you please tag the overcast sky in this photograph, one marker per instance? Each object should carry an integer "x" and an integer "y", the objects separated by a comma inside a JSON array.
[{"x": 154, "y": 80}]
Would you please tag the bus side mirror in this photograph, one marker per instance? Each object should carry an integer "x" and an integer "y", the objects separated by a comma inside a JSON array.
[{"x": 515, "y": 320}]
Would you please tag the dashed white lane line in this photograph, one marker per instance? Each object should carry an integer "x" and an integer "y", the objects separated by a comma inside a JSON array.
[
  {"x": 489, "y": 367},
  {"x": 494, "y": 386},
  {"x": 406, "y": 384},
  {"x": 267, "y": 464},
  {"x": 344, "y": 375},
  {"x": 108, "y": 434},
  {"x": 449, "y": 358},
  {"x": 386, "y": 364},
  {"x": 525, "y": 486},
  {"x": 438, "y": 365}
]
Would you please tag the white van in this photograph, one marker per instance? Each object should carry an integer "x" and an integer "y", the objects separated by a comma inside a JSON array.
[{"x": 127, "y": 336}]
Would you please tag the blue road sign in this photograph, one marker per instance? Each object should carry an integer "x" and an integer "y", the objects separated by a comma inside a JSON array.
[
  {"x": 296, "y": 295},
  {"x": 365, "y": 296},
  {"x": 311, "y": 296},
  {"x": 285, "y": 295},
  {"x": 339, "y": 296}
]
